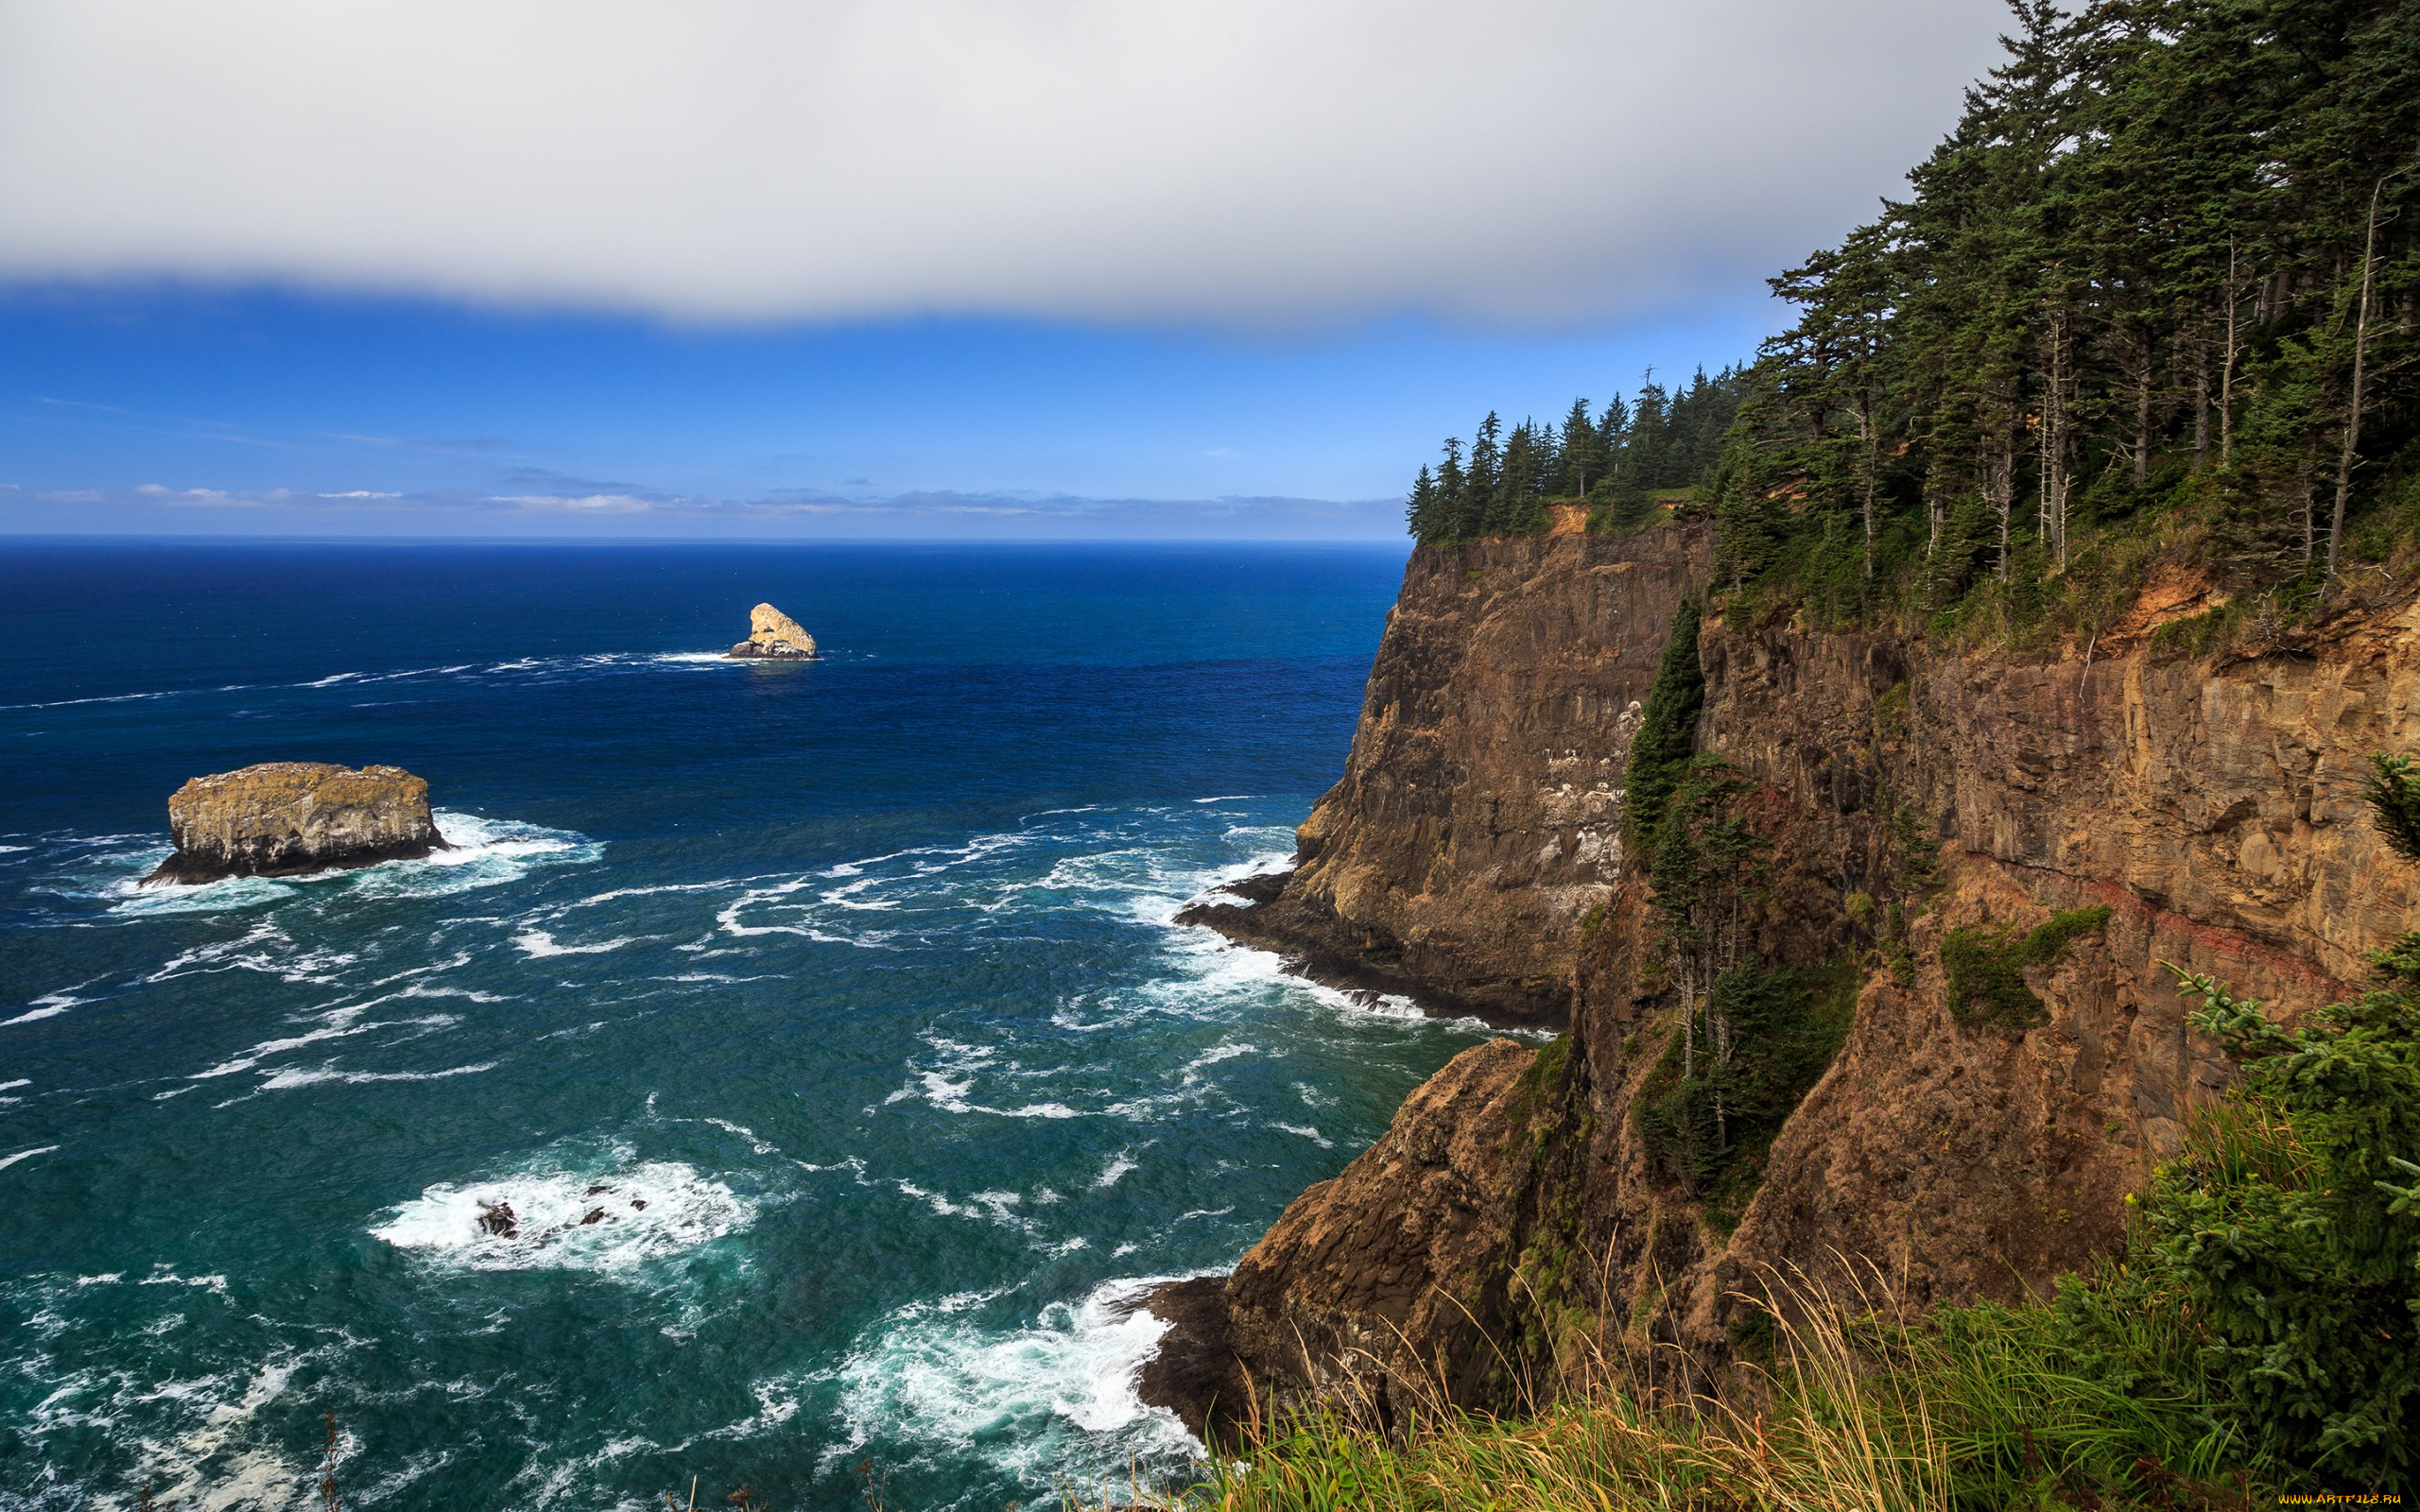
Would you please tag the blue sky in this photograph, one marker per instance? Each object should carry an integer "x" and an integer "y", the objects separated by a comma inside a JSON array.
[
  {"x": 1042, "y": 267},
  {"x": 617, "y": 426}
]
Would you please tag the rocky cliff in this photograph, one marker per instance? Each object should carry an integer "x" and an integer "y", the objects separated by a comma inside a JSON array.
[
  {"x": 2211, "y": 806},
  {"x": 284, "y": 817},
  {"x": 1479, "y": 819}
]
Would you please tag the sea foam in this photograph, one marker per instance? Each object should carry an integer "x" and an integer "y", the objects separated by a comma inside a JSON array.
[
  {"x": 1048, "y": 1401},
  {"x": 643, "y": 1212},
  {"x": 481, "y": 853}
]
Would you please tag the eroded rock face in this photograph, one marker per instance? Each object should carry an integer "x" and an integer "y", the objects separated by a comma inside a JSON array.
[
  {"x": 1478, "y": 821},
  {"x": 2212, "y": 805},
  {"x": 281, "y": 818},
  {"x": 774, "y": 634},
  {"x": 1409, "y": 1244}
]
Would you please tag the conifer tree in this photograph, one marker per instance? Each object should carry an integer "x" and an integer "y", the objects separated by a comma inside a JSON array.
[
  {"x": 1579, "y": 454},
  {"x": 1485, "y": 479},
  {"x": 1453, "y": 493},
  {"x": 1420, "y": 511}
]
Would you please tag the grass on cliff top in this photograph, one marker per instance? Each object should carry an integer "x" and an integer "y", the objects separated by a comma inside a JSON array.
[{"x": 1862, "y": 1406}]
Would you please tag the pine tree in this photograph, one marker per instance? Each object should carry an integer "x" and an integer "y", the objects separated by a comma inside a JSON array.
[
  {"x": 1420, "y": 511},
  {"x": 1580, "y": 452},
  {"x": 1453, "y": 493},
  {"x": 1485, "y": 479},
  {"x": 1667, "y": 736}
]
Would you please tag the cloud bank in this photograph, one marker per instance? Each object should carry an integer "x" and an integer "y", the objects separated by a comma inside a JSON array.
[{"x": 1252, "y": 162}]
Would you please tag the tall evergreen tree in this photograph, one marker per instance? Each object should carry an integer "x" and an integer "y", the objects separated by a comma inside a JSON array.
[
  {"x": 1422, "y": 512},
  {"x": 1579, "y": 454},
  {"x": 1485, "y": 479}
]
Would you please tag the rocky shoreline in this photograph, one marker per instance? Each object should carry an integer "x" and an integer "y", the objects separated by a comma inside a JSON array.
[{"x": 1270, "y": 916}]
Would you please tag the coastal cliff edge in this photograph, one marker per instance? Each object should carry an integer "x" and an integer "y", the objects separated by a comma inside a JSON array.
[{"x": 1471, "y": 855}]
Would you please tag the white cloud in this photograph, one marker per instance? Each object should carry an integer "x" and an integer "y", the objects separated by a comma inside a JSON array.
[
  {"x": 1254, "y": 161},
  {"x": 579, "y": 504}
]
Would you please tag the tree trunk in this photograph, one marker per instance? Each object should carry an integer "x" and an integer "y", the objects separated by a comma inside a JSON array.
[
  {"x": 1689, "y": 1027},
  {"x": 1999, "y": 484},
  {"x": 1865, "y": 430},
  {"x": 2142, "y": 424},
  {"x": 2226, "y": 378},
  {"x": 2346, "y": 455},
  {"x": 2054, "y": 443}
]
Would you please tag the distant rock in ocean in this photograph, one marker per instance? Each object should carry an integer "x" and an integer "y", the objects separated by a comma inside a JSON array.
[
  {"x": 772, "y": 633},
  {"x": 283, "y": 818}
]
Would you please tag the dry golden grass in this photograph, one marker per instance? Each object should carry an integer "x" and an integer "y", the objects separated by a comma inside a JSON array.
[{"x": 1861, "y": 1408}]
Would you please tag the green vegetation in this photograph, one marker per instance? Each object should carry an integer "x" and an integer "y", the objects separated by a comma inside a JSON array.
[
  {"x": 2288, "y": 1236},
  {"x": 1667, "y": 735},
  {"x": 1986, "y": 968},
  {"x": 2394, "y": 793},
  {"x": 2255, "y": 1337},
  {"x": 1751, "y": 1040},
  {"x": 1708, "y": 1128},
  {"x": 1862, "y": 1407},
  {"x": 2154, "y": 302},
  {"x": 2151, "y": 297},
  {"x": 1622, "y": 463}
]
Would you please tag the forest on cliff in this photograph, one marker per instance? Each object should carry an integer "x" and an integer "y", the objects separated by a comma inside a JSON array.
[
  {"x": 2150, "y": 312},
  {"x": 2154, "y": 296}
]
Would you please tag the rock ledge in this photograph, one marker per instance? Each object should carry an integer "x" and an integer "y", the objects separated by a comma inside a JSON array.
[{"x": 280, "y": 818}]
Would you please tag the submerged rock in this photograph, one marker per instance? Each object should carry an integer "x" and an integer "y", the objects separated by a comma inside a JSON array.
[
  {"x": 774, "y": 634},
  {"x": 283, "y": 818}
]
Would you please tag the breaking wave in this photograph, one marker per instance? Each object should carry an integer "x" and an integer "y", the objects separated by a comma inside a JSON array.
[
  {"x": 481, "y": 853},
  {"x": 610, "y": 1218},
  {"x": 1052, "y": 1399}
]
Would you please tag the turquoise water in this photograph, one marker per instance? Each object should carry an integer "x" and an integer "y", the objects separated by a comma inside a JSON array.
[{"x": 846, "y": 992}]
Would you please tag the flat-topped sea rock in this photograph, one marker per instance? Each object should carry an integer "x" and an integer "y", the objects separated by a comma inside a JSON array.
[
  {"x": 774, "y": 635},
  {"x": 280, "y": 818}
]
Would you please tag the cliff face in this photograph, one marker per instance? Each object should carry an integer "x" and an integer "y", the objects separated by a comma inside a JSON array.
[
  {"x": 2212, "y": 806},
  {"x": 1478, "y": 818},
  {"x": 284, "y": 817}
]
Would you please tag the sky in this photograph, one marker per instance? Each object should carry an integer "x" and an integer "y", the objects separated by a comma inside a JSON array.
[{"x": 891, "y": 267}]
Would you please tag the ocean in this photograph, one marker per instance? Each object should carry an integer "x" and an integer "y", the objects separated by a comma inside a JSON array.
[{"x": 847, "y": 993}]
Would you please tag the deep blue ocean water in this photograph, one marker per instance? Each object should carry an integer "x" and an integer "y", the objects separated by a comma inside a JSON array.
[{"x": 847, "y": 991}]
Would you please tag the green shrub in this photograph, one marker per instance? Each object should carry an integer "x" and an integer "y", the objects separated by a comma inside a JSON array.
[
  {"x": 2288, "y": 1233},
  {"x": 1986, "y": 968},
  {"x": 1789, "y": 1022},
  {"x": 1667, "y": 735},
  {"x": 1592, "y": 922}
]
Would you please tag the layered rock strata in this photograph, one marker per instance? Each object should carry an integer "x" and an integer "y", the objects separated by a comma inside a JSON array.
[
  {"x": 773, "y": 635},
  {"x": 1478, "y": 821},
  {"x": 2213, "y": 805},
  {"x": 281, "y": 818}
]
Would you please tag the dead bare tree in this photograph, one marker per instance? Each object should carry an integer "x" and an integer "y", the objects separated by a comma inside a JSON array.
[{"x": 2348, "y": 453}]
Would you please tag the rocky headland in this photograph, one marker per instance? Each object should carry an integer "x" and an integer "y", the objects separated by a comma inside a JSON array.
[
  {"x": 1472, "y": 853},
  {"x": 281, "y": 818},
  {"x": 774, "y": 636}
]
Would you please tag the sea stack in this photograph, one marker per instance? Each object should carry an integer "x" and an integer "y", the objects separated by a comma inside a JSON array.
[
  {"x": 284, "y": 817},
  {"x": 774, "y": 634}
]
